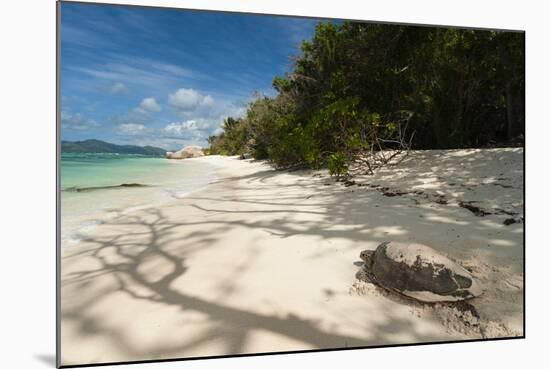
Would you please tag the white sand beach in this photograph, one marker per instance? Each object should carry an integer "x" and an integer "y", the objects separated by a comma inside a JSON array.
[{"x": 263, "y": 260}]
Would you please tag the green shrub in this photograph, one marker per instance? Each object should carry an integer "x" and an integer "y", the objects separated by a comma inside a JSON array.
[{"x": 337, "y": 165}]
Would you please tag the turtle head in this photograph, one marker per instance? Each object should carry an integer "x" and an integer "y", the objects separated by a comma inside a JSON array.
[{"x": 367, "y": 256}]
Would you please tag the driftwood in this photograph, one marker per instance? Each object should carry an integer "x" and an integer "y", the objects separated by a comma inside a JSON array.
[{"x": 382, "y": 151}]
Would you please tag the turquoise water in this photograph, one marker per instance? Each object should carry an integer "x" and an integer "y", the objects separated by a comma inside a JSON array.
[
  {"x": 83, "y": 171},
  {"x": 98, "y": 187}
]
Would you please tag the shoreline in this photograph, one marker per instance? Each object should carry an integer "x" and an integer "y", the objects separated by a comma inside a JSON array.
[
  {"x": 264, "y": 260},
  {"x": 84, "y": 207}
]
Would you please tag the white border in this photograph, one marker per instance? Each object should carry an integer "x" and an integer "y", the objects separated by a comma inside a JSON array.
[{"x": 27, "y": 325}]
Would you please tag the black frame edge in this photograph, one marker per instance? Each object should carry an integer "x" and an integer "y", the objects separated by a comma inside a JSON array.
[{"x": 58, "y": 184}]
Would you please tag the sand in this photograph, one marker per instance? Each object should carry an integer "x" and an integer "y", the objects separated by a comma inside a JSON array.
[{"x": 264, "y": 260}]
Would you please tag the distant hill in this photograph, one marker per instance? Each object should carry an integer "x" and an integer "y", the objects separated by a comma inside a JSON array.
[{"x": 98, "y": 146}]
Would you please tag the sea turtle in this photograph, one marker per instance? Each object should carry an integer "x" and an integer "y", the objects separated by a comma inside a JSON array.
[{"x": 418, "y": 271}]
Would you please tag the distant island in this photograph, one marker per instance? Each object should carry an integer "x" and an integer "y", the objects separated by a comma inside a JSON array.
[{"x": 98, "y": 146}]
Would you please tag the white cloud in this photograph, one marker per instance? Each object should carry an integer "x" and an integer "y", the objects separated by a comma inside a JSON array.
[
  {"x": 170, "y": 144},
  {"x": 133, "y": 129},
  {"x": 119, "y": 88},
  {"x": 181, "y": 129},
  {"x": 149, "y": 104},
  {"x": 202, "y": 124},
  {"x": 188, "y": 100},
  {"x": 193, "y": 128},
  {"x": 175, "y": 135},
  {"x": 172, "y": 69},
  {"x": 77, "y": 121},
  {"x": 132, "y": 72},
  {"x": 79, "y": 36}
]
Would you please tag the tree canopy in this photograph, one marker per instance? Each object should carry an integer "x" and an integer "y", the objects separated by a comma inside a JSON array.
[{"x": 356, "y": 85}]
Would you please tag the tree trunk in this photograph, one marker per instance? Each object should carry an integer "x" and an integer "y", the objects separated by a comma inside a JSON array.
[
  {"x": 510, "y": 114},
  {"x": 460, "y": 112},
  {"x": 509, "y": 92}
]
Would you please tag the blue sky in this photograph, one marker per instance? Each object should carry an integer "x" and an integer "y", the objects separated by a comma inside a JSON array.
[{"x": 166, "y": 77}]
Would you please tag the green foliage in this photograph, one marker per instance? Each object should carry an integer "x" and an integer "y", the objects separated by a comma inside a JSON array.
[
  {"x": 233, "y": 140},
  {"x": 354, "y": 85},
  {"x": 337, "y": 164}
]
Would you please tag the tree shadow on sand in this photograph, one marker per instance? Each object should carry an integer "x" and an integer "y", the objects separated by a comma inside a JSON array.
[
  {"x": 123, "y": 259},
  {"x": 338, "y": 213}
]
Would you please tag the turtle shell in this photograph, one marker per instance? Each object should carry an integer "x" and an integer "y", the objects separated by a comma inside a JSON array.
[{"x": 420, "y": 272}]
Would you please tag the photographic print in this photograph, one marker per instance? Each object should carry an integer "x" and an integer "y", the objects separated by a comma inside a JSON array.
[{"x": 239, "y": 184}]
